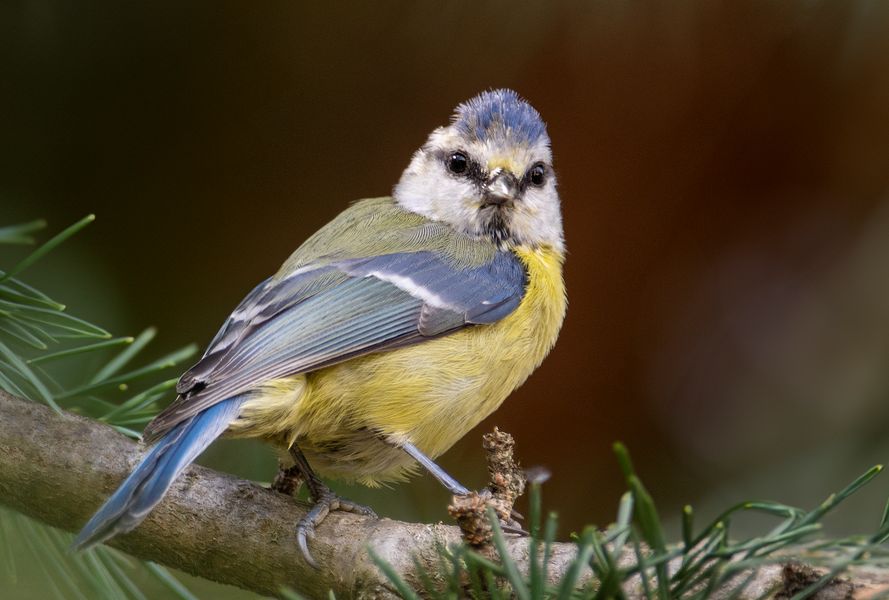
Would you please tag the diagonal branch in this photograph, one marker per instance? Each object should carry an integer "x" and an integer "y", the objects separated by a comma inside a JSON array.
[{"x": 59, "y": 469}]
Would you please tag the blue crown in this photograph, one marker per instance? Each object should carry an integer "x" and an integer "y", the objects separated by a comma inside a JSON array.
[{"x": 499, "y": 114}]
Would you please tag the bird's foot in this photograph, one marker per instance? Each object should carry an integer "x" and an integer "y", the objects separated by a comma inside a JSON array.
[
  {"x": 510, "y": 522},
  {"x": 471, "y": 513},
  {"x": 324, "y": 501},
  {"x": 512, "y": 525}
]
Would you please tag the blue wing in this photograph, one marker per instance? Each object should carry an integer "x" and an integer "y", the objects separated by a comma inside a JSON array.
[{"x": 323, "y": 315}]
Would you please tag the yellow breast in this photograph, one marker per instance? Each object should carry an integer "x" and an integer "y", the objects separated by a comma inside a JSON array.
[{"x": 429, "y": 394}]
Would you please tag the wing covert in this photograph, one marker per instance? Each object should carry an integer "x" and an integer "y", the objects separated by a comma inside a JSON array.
[{"x": 325, "y": 315}]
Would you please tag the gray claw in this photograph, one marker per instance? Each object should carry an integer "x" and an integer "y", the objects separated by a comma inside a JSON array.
[
  {"x": 303, "y": 531},
  {"x": 324, "y": 504},
  {"x": 514, "y": 529}
]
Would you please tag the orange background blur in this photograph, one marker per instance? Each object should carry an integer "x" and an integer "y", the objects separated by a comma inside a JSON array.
[{"x": 723, "y": 169}]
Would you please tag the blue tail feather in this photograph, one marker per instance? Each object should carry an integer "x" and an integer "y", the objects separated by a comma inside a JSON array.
[{"x": 150, "y": 480}]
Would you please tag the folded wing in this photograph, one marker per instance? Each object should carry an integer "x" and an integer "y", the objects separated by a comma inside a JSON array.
[{"x": 325, "y": 314}]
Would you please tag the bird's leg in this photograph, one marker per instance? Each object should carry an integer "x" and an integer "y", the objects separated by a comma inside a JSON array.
[
  {"x": 323, "y": 501},
  {"x": 454, "y": 486}
]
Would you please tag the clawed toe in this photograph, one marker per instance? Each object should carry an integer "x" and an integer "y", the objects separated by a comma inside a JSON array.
[
  {"x": 325, "y": 502},
  {"x": 513, "y": 527},
  {"x": 344, "y": 505},
  {"x": 513, "y": 524},
  {"x": 304, "y": 530}
]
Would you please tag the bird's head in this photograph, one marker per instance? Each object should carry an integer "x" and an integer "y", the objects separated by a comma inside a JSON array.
[{"x": 488, "y": 174}]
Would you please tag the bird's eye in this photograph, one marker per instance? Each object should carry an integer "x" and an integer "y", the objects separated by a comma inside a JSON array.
[
  {"x": 458, "y": 163},
  {"x": 537, "y": 175}
]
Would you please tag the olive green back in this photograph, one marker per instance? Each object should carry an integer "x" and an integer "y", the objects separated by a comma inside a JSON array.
[{"x": 379, "y": 226}]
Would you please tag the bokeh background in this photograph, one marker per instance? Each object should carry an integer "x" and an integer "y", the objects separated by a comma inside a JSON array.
[{"x": 724, "y": 173}]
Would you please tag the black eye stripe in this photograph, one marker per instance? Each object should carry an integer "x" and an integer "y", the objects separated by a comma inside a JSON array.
[
  {"x": 479, "y": 175},
  {"x": 473, "y": 170}
]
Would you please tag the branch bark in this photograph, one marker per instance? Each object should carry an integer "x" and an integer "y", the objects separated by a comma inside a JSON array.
[{"x": 58, "y": 469}]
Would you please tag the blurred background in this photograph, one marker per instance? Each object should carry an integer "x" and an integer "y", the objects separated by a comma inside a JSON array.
[{"x": 724, "y": 174}]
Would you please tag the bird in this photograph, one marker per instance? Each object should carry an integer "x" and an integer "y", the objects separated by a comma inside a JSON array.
[{"x": 389, "y": 333}]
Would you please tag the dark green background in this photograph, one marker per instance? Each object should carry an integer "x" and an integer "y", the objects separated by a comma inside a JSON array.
[{"x": 723, "y": 169}]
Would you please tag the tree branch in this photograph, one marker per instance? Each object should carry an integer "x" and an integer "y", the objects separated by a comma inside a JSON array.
[{"x": 59, "y": 469}]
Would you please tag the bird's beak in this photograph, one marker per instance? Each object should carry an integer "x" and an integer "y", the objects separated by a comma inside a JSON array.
[{"x": 502, "y": 187}]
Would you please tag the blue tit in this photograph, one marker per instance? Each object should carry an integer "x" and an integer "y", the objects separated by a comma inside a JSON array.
[{"x": 390, "y": 333}]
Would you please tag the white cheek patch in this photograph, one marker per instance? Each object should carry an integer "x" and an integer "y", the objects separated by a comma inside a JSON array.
[
  {"x": 538, "y": 219},
  {"x": 428, "y": 189}
]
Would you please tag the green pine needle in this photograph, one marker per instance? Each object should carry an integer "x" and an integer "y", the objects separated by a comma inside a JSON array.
[
  {"x": 18, "y": 234},
  {"x": 702, "y": 563},
  {"x": 404, "y": 590},
  {"x": 48, "y": 246},
  {"x": 32, "y": 327},
  {"x": 80, "y": 350},
  {"x": 36, "y": 337}
]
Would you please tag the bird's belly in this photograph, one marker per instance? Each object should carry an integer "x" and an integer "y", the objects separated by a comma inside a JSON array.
[
  {"x": 348, "y": 416},
  {"x": 430, "y": 394}
]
